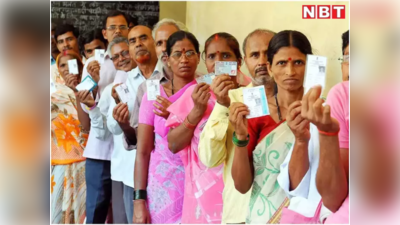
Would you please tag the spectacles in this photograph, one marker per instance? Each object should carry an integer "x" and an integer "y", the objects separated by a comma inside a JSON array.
[
  {"x": 124, "y": 55},
  {"x": 178, "y": 55},
  {"x": 114, "y": 28},
  {"x": 345, "y": 59}
]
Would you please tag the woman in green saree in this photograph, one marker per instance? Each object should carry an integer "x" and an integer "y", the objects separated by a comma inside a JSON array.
[{"x": 263, "y": 143}]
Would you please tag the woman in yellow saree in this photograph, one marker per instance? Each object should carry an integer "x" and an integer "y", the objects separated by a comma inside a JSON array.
[
  {"x": 262, "y": 145},
  {"x": 68, "y": 140}
]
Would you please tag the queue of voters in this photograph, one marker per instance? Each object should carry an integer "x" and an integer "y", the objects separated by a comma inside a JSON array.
[{"x": 140, "y": 135}]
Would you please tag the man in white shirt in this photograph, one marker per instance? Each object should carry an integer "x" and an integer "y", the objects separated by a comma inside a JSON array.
[
  {"x": 140, "y": 43},
  {"x": 100, "y": 142},
  {"x": 121, "y": 161},
  {"x": 161, "y": 32}
]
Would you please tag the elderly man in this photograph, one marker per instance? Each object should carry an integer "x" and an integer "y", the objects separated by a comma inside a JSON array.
[
  {"x": 141, "y": 43},
  {"x": 121, "y": 161},
  {"x": 161, "y": 32},
  {"x": 99, "y": 148}
]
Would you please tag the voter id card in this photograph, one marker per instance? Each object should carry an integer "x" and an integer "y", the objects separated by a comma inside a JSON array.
[
  {"x": 208, "y": 78},
  {"x": 73, "y": 66},
  {"x": 256, "y": 100},
  {"x": 99, "y": 55},
  {"x": 87, "y": 84},
  {"x": 153, "y": 89},
  {"x": 315, "y": 73},
  {"x": 123, "y": 93},
  {"x": 222, "y": 67}
]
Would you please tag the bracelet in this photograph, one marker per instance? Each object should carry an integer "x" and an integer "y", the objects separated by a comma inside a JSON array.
[
  {"x": 329, "y": 134},
  {"x": 240, "y": 143},
  {"x": 91, "y": 108},
  {"x": 189, "y": 125},
  {"x": 139, "y": 194}
]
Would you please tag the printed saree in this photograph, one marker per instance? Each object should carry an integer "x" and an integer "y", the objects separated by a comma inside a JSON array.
[{"x": 267, "y": 197}]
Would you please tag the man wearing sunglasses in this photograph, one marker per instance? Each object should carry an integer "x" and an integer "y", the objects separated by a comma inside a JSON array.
[{"x": 100, "y": 143}]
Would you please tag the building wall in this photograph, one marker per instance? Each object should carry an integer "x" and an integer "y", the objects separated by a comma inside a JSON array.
[{"x": 173, "y": 10}]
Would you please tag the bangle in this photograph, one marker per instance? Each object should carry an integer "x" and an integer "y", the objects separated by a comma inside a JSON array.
[
  {"x": 240, "y": 143},
  {"x": 139, "y": 194},
  {"x": 91, "y": 108},
  {"x": 189, "y": 125},
  {"x": 328, "y": 134}
]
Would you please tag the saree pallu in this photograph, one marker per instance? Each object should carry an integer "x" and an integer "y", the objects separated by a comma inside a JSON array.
[
  {"x": 203, "y": 186},
  {"x": 68, "y": 193},
  {"x": 267, "y": 197},
  {"x": 341, "y": 216},
  {"x": 166, "y": 173},
  {"x": 68, "y": 140},
  {"x": 68, "y": 185}
]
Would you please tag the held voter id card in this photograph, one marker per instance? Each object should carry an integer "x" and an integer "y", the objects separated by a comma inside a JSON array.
[
  {"x": 99, "y": 55},
  {"x": 153, "y": 89},
  {"x": 123, "y": 93},
  {"x": 208, "y": 78},
  {"x": 222, "y": 67},
  {"x": 256, "y": 100},
  {"x": 73, "y": 66},
  {"x": 315, "y": 73},
  {"x": 87, "y": 84}
]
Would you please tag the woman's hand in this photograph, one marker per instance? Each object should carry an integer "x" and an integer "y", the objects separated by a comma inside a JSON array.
[
  {"x": 71, "y": 81},
  {"x": 141, "y": 214},
  {"x": 237, "y": 116},
  {"x": 86, "y": 98},
  {"x": 162, "y": 105},
  {"x": 313, "y": 110},
  {"x": 201, "y": 95},
  {"x": 299, "y": 126},
  {"x": 221, "y": 86},
  {"x": 93, "y": 69}
]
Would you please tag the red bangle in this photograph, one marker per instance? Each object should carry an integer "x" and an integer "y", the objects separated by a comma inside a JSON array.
[
  {"x": 329, "y": 134},
  {"x": 188, "y": 125}
]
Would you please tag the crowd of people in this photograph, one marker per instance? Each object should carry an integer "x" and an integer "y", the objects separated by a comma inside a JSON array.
[{"x": 191, "y": 155}]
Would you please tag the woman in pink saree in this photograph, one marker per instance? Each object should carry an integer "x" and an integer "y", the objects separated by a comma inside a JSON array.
[
  {"x": 188, "y": 116},
  {"x": 159, "y": 174}
]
